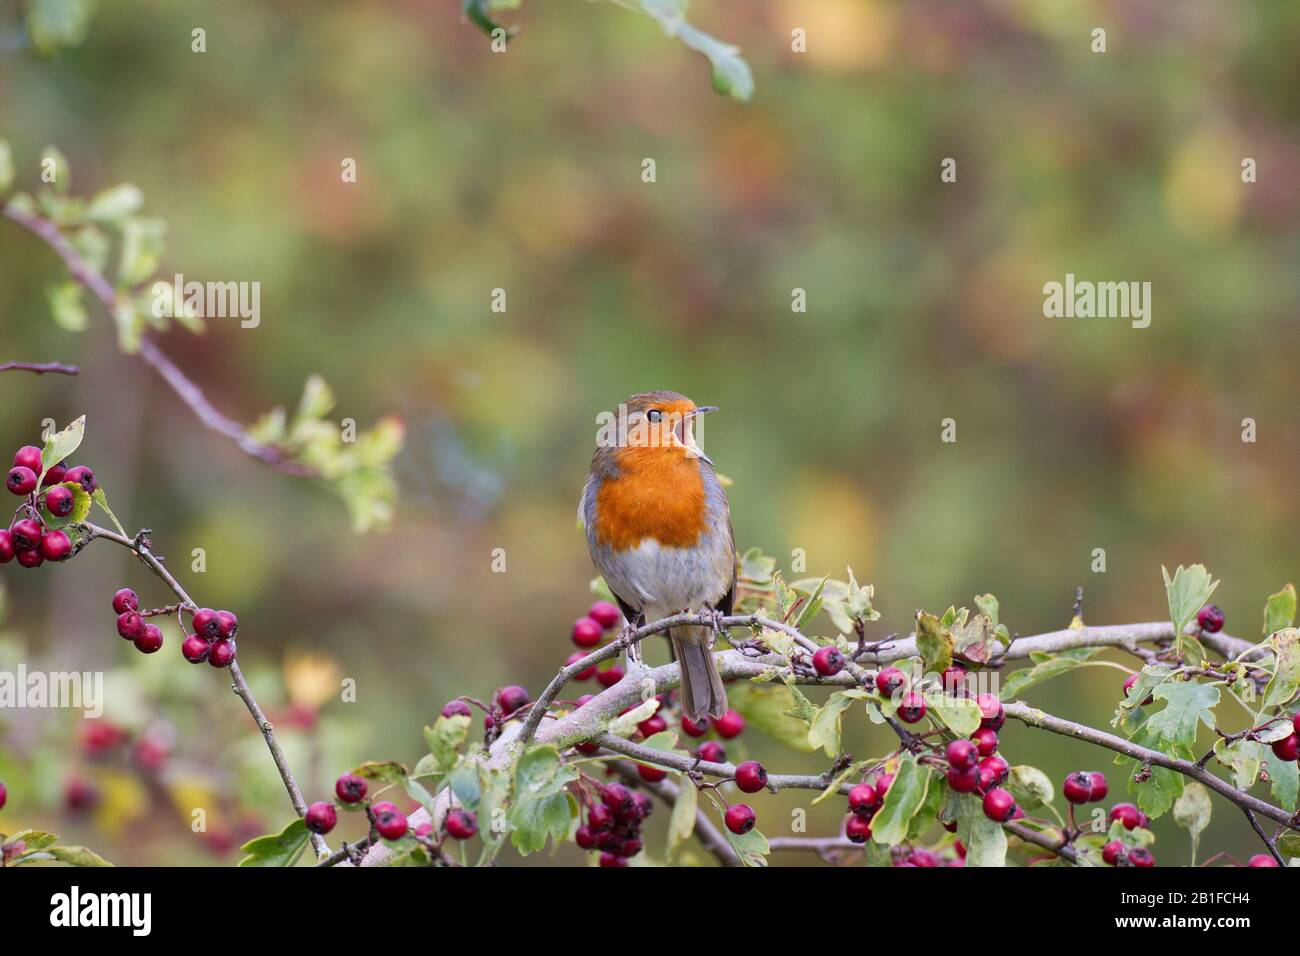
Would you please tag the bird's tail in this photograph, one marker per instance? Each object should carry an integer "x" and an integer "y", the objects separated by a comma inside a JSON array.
[{"x": 702, "y": 690}]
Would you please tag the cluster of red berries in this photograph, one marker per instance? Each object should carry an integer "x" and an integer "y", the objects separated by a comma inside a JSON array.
[
  {"x": 28, "y": 539},
  {"x": 613, "y": 825},
  {"x": 588, "y": 633},
  {"x": 213, "y": 639},
  {"x": 893, "y": 683},
  {"x": 864, "y": 800},
  {"x": 507, "y": 702},
  {"x": 385, "y": 817}
]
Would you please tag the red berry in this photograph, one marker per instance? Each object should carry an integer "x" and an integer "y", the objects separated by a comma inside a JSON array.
[
  {"x": 31, "y": 559},
  {"x": 729, "y": 724},
  {"x": 7, "y": 549},
  {"x": 828, "y": 661},
  {"x": 586, "y": 632},
  {"x": 1288, "y": 748},
  {"x": 585, "y": 838},
  {"x": 511, "y": 698},
  {"x": 59, "y": 501},
  {"x": 1132, "y": 679},
  {"x": 863, "y": 799},
  {"x": 321, "y": 817},
  {"x": 962, "y": 754},
  {"x": 619, "y": 800},
  {"x": 1140, "y": 856},
  {"x": 857, "y": 828},
  {"x": 461, "y": 824},
  {"x": 1295, "y": 723},
  {"x": 26, "y": 534},
  {"x": 999, "y": 805},
  {"x": 1126, "y": 813},
  {"x": 643, "y": 805},
  {"x": 1261, "y": 860},
  {"x": 605, "y": 614},
  {"x": 911, "y": 708},
  {"x": 380, "y": 806},
  {"x": 1112, "y": 853},
  {"x": 21, "y": 481},
  {"x": 711, "y": 752},
  {"x": 1210, "y": 618},
  {"x": 985, "y": 741},
  {"x": 350, "y": 788},
  {"x": 751, "y": 777},
  {"x": 125, "y": 600},
  {"x": 694, "y": 728},
  {"x": 425, "y": 829},
  {"x": 54, "y": 476},
  {"x": 4, "y": 795},
  {"x": 600, "y": 817},
  {"x": 996, "y": 767},
  {"x": 229, "y": 623},
  {"x": 889, "y": 680},
  {"x": 83, "y": 476},
  {"x": 991, "y": 714},
  {"x": 130, "y": 625},
  {"x": 195, "y": 649},
  {"x": 923, "y": 858},
  {"x": 55, "y": 546},
  {"x": 587, "y": 673},
  {"x": 650, "y": 774},
  {"x": 456, "y": 708},
  {"x": 883, "y": 783},
  {"x": 207, "y": 623},
  {"x": 740, "y": 818},
  {"x": 150, "y": 641},
  {"x": 29, "y": 456},
  {"x": 612, "y": 861},
  {"x": 222, "y": 654},
  {"x": 1099, "y": 786},
  {"x": 610, "y": 676},
  {"x": 391, "y": 824},
  {"x": 953, "y": 678},
  {"x": 1078, "y": 786},
  {"x": 587, "y": 747},
  {"x": 630, "y": 846},
  {"x": 964, "y": 781},
  {"x": 652, "y": 725}
]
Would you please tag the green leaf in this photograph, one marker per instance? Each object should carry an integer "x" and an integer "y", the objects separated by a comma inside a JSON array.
[
  {"x": 903, "y": 799},
  {"x": 464, "y": 783},
  {"x": 1188, "y": 591},
  {"x": 1283, "y": 779},
  {"x": 77, "y": 856},
  {"x": 1192, "y": 812},
  {"x": 1149, "y": 678},
  {"x": 1244, "y": 758},
  {"x": 101, "y": 499},
  {"x": 1188, "y": 704},
  {"x": 1279, "y": 611},
  {"x": 1021, "y": 680},
  {"x": 143, "y": 243},
  {"x": 960, "y": 714},
  {"x": 533, "y": 819},
  {"x": 388, "y": 772},
  {"x": 934, "y": 642},
  {"x": 412, "y": 855},
  {"x": 824, "y": 733},
  {"x": 62, "y": 444},
  {"x": 751, "y": 847},
  {"x": 625, "y": 725},
  {"x": 1157, "y": 794},
  {"x": 6, "y": 166},
  {"x": 67, "y": 306},
  {"x": 1288, "y": 844},
  {"x": 682, "y": 822},
  {"x": 985, "y": 841},
  {"x": 277, "y": 849},
  {"x": 53, "y": 25},
  {"x": 445, "y": 738},
  {"x": 988, "y": 606},
  {"x": 114, "y": 204},
  {"x": 1030, "y": 786},
  {"x": 776, "y": 710},
  {"x": 80, "y": 508},
  {"x": 813, "y": 607},
  {"x": 1285, "y": 681},
  {"x": 542, "y": 773}
]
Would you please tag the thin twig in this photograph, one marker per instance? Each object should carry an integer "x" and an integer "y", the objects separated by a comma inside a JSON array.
[
  {"x": 1268, "y": 842},
  {"x": 188, "y": 392},
  {"x": 40, "y": 368},
  {"x": 143, "y": 550}
]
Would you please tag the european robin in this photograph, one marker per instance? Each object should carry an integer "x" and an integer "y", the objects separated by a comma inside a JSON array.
[{"x": 659, "y": 531}]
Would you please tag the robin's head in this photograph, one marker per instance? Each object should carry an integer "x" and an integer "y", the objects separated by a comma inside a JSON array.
[{"x": 655, "y": 424}]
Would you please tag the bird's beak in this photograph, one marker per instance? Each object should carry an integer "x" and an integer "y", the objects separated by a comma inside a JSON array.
[
  {"x": 701, "y": 410},
  {"x": 688, "y": 435}
]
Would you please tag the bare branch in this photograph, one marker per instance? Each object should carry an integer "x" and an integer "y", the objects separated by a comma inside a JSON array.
[{"x": 40, "y": 368}]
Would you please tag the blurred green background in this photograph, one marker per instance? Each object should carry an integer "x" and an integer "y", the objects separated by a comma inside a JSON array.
[{"x": 523, "y": 171}]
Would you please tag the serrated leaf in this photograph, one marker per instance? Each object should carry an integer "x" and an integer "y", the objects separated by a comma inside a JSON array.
[
  {"x": 77, "y": 856},
  {"x": 824, "y": 733},
  {"x": 1279, "y": 610},
  {"x": 533, "y": 819},
  {"x": 1283, "y": 779},
  {"x": 33, "y": 839},
  {"x": 80, "y": 508},
  {"x": 62, "y": 444},
  {"x": 277, "y": 849},
  {"x": 1030, "y": 786},
  {"x": 775, "y": 710},
  {"x": 1187, "y": 705},
  {"x": 1188, "y": 591},
  {"x": 1021, "y": 680},
  {"x": 445, "y": 738},
  {"x": 751, "y": 847},
  {"x": 541, "y": 772},
  {"x": 934, "y": 642},
  {"x": 903, "y": 799},
  {"x": 960, "y": 714},
  {"x": 985, "y": 841},
  {"x": 388, "y": 772},
  {"x": 1244, "y": 758},
  {"x": 1192, "y": 812},
  {"x": 1285, "y": 681}
]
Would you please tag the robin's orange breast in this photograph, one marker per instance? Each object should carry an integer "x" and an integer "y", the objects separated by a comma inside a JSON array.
[{"x": 658, "y": 494}]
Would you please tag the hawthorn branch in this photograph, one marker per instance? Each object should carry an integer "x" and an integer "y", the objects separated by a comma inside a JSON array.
[
  {"x": 185, "y": 388},
  {"x": 1067, "y": 728},
  {"x": 40, "y": 368},
  {"x": 1268, "y": 841},
  {"x": 143, "y": 549}
]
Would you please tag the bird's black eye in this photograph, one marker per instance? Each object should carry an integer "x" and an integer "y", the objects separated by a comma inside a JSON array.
[{"x": 654, "y": 415}]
